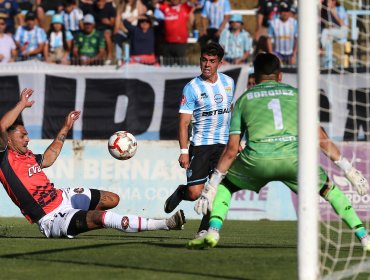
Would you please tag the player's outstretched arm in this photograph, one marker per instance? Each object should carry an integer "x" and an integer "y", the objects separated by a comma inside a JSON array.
[
  {"x": 53, "y": 151},
  {"x": 10, "y": 117},
  {"x": 353, "y": 175}
]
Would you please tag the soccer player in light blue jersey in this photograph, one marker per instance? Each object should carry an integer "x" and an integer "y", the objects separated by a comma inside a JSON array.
[{"x": 206, "y": 104}]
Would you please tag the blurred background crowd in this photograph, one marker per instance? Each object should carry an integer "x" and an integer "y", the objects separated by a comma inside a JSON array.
[{"x": 163, "y": 32}]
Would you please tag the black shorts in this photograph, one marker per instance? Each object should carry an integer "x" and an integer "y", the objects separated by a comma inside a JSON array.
[{"x": 203, "y": 159}]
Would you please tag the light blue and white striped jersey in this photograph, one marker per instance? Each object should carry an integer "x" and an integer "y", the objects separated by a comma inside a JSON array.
[
  {"x": 31, "y": 38},
  {"x": 215, "y": 12},
  {"x": 56, "y": 39},
  {"x": 235, "y": 45},
  {"x": 283, "y": 35},
  {"x": 342, "y": 14},
  {"x": 210, "y": 105},
  {"x": 72, "y": 20}
]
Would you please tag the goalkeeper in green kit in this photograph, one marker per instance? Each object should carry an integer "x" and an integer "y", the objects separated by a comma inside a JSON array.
[{"x": 267, "y": 114}]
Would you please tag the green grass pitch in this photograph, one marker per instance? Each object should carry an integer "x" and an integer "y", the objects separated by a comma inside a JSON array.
[{"x": 247, "y": 250}]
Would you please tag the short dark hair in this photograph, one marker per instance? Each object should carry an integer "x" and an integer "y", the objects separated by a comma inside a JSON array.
[
  {"x": 213, "y": 48},
  {"x": 145, "y": 18},
  {"x": 14, "y": 125},
  {"x": 266, "y": 64},
  {"x": 69, "y": 2}
]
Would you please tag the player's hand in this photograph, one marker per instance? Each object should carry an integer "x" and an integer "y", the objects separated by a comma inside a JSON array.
[
  {"x": 205, "y": 202},
  {"x": 25, "y": 95},
  {"x": 357, "y": 180},
  {"x": 71, "y": 118},
  {"x": 184, "y": 160}
]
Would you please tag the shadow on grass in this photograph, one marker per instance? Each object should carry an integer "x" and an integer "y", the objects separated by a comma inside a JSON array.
[{"x": 121, "y": 266}]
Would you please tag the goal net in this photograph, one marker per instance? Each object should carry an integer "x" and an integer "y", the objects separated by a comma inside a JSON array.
[{"x": 345, "y": 114}]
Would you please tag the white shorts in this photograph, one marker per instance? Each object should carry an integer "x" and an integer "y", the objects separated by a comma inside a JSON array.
[{"x": 56, "y": 223}]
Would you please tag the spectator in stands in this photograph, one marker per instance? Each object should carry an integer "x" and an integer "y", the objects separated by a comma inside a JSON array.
[
  {"x": 215, "y": 14},
  {"x": 251, "y": 80},
  {"x": 44, "y": 6},
  {"x": 283, "y": 35},
  {"x": 126, "y": 10},
  {"x": 176, "y": 25},
  {"x": 89, "y": 44},
  {"x": 142, "y": 40},
  {"x": 341, "y": 13},
  {"x": 104, "y": 15},
  {"x": 59, "y": 42},
  {"x": 86, "y": 5},
  {"x": 236, "y": 41},
  {"x": 267, "y": 10},
  {"x": 72, "y": 16},
  {"x": 158, "y": 24},
  {"x": 261, "y": 45},
  {"x": 26, "y": 5},
  {"x": 10, "y": 10},
  {"x": 8, "y": 50},
  {"x": 333, "y": 27},
  {"x": 30, "y": 38}
]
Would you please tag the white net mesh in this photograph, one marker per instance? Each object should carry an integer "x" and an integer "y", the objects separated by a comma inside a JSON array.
[{"x": 345, "y": 114}]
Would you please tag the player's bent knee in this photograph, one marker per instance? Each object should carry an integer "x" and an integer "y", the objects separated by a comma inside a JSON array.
[
  {"x": 108, "y": 200},
  {"x": 194, "y": 192}
]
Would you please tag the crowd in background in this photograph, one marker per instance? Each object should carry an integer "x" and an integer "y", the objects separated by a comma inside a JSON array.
[{"x": 153, "y": 32}]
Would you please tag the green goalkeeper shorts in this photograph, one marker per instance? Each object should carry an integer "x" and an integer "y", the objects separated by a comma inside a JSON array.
[{"x": 253, "y": 173}]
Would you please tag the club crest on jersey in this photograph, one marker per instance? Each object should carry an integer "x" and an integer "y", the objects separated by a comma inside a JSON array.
[
  {"x": 78, "y": 190},
  {"x": 125, "y": 222},
  {"x": 34, "y": 169},
  {"x": 228, "y": 88},
  {"x": 218, "y": 98}
]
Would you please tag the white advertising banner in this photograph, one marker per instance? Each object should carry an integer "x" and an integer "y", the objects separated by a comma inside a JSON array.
[{"x": 145, "y": 181}]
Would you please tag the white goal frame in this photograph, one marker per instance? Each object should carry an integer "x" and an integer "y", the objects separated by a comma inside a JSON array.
[{"x": 308, "y": 74}]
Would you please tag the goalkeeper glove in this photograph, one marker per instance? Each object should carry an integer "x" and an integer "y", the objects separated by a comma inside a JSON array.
[
  {"x": 353, "y": 175},
  {"x": 205, "y": 202}
]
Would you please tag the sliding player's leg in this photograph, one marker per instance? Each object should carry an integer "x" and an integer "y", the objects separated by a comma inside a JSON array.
[{"x": 84, "y": 221}]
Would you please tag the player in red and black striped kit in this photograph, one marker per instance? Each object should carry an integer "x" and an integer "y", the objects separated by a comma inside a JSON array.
[{"x": 59, "y": 212}]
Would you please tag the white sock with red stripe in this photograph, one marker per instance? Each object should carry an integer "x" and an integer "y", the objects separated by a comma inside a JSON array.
[{"x": 131, "y": 223}]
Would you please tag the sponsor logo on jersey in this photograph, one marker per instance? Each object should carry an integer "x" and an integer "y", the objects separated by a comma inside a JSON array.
[
  {"x": 34, "y": 169},
  {"x": 203, "y": 95},
  {"x": 218, "y": 98},
  {"x": 216, "y": 112},
  {"x": 125, "y": 222}
]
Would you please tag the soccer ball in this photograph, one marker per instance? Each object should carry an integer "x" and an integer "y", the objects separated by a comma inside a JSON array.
[{"x": 122, "y": 145}]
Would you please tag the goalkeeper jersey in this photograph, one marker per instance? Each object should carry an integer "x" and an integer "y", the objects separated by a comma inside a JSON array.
[{"x": 267, "y": 114}]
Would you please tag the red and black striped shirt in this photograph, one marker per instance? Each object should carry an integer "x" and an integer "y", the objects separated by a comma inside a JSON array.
[{"x": 27, "y": 185}]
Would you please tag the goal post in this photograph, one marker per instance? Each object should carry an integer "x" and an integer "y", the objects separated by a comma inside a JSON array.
[{"x": 308, "y": 74}]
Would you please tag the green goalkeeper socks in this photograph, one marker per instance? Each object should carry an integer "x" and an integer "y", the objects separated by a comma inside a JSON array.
[
  {"x": 343, "y": 207},
  {"x": 221, "y": 206}
]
